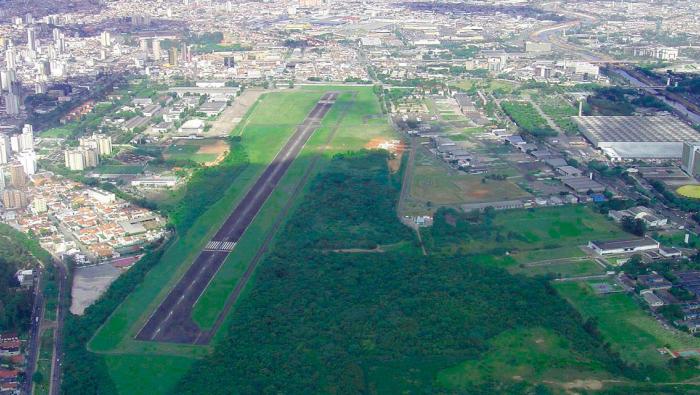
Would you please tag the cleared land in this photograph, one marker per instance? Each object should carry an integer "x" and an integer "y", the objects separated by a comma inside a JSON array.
[
  {"x": 434, "y": 182},
  {"x": 630, "y": 330},
  {"x": 206, "y": 151},
  {"x": 689, "y": 191}
]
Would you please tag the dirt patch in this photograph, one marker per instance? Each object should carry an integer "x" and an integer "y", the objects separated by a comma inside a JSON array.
[
  {"x": 589, "y": 384},
  {"x": 394, "y": 146},
  {"x": 479, "y": 193},
  {"x": 219, "y": 147}
]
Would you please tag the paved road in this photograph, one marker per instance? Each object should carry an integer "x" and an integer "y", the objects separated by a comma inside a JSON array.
[
  {"x": 171, "y": 321},
  {"x": 56, "y": 364},
  {"x": 34, "y": 332}
]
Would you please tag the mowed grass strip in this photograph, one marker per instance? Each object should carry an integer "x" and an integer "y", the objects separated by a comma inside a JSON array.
[
  {"x": 353, "y": 132},
  {"x": 262, "y": 144},
  {"x": 630, "y": 330},
  {"x": 147, "y": 374}
]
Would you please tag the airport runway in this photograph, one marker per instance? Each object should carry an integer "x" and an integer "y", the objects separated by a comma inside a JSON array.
[{"x": 171, "y": 321}]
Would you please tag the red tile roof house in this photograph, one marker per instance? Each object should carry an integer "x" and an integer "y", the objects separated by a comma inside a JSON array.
[{"x": 8, "y": 376}]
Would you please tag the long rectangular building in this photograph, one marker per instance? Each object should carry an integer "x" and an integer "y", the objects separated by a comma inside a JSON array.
[{"x": 637, "y": 137}]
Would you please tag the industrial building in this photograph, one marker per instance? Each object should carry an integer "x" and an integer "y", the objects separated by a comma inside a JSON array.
[
  {"x": 624, "y": 246},
  {"x": 634, "y": 137}
]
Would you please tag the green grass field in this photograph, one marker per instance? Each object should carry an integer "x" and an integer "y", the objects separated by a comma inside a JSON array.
[
  {"x": 630, "y": 330},
  {"x": 563, "y": 269},
  {"x": 266, "y": 129},
  {"x": 533, "y": 355},
  {"x": 537, "y": 232},
  {"x": 689, "y": 191}
]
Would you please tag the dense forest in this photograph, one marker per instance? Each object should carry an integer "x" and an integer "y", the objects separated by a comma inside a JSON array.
[
  {"x": 18, "y": 252},
  {"x": 318, "y": 321}
]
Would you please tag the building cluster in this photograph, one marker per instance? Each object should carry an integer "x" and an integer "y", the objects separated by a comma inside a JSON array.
[
  {"x": 13, "y": 363},
  {"x": 18, "y": 161},
  {"x": 70, "y": 219},
  {"x": 88, "y": 154}
]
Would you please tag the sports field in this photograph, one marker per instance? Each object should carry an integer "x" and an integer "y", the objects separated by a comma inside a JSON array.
[
  {"x": 689, "y": 191},
  {"x": 263, "y": 131},
  {"x": 630, "y": 330}
]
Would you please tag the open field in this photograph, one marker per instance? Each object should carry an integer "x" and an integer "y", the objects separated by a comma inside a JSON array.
[
  {"x": 533, "y": 355},
  {"x": 205, "y": 151},
  {"x": 569, "y": 268},
  {"x": 434, "y": 182},
  {"x": 689, "y": 191},
  {"x": 531, "y": 231},
  {"x": 630, "y": 330},
  {"x": 489, "y": 85}
]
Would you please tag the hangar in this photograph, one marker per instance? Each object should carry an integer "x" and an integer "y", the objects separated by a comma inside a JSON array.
[{"x": 637, "y": 137}]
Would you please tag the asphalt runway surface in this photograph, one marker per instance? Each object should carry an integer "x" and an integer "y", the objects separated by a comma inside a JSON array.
[{"x": 172, "y": 320}]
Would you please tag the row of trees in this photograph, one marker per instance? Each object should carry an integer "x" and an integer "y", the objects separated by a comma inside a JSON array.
[{"x": 528, "y": 119}]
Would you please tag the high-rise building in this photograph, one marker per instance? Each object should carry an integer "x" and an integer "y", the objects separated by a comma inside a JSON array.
[
  {"x": 2, "y": 179},
  {"x": 13, "y": 199},
  {"x": 690, "y": 160},
  {"x": 106, "y": 39},
  {"x": 39, "y": 205},
  {"x": 5, "y": 149},
  {"x": 172, "y": 56},
  {"x": 26, "y": 139},
  {"x": 91, "y": 158},
  {"x": 104, "y": 144},
  {"x": 10, "y": 60},
  {"x": 156, "y": 49},
  {"x": 81, "y": 158},
  {"x": 14, "y": 143},
  {"x": 74, "y": 160},
  {"x": 229, "y": 62},
  {"x": 31, "y": 39},
  {"x": 18, "y": 179},
  {"x": 11, "y": 103},
  {"x": 28, "y": 161}
]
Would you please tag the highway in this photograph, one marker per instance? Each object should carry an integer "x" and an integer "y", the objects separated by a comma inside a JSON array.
[{"x": 171, "y": 321}]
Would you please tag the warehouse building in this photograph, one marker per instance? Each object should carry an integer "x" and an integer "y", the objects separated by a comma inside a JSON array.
[
  {"x": 624, "y": 246},
  {"x": 634, "y": 137}
]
